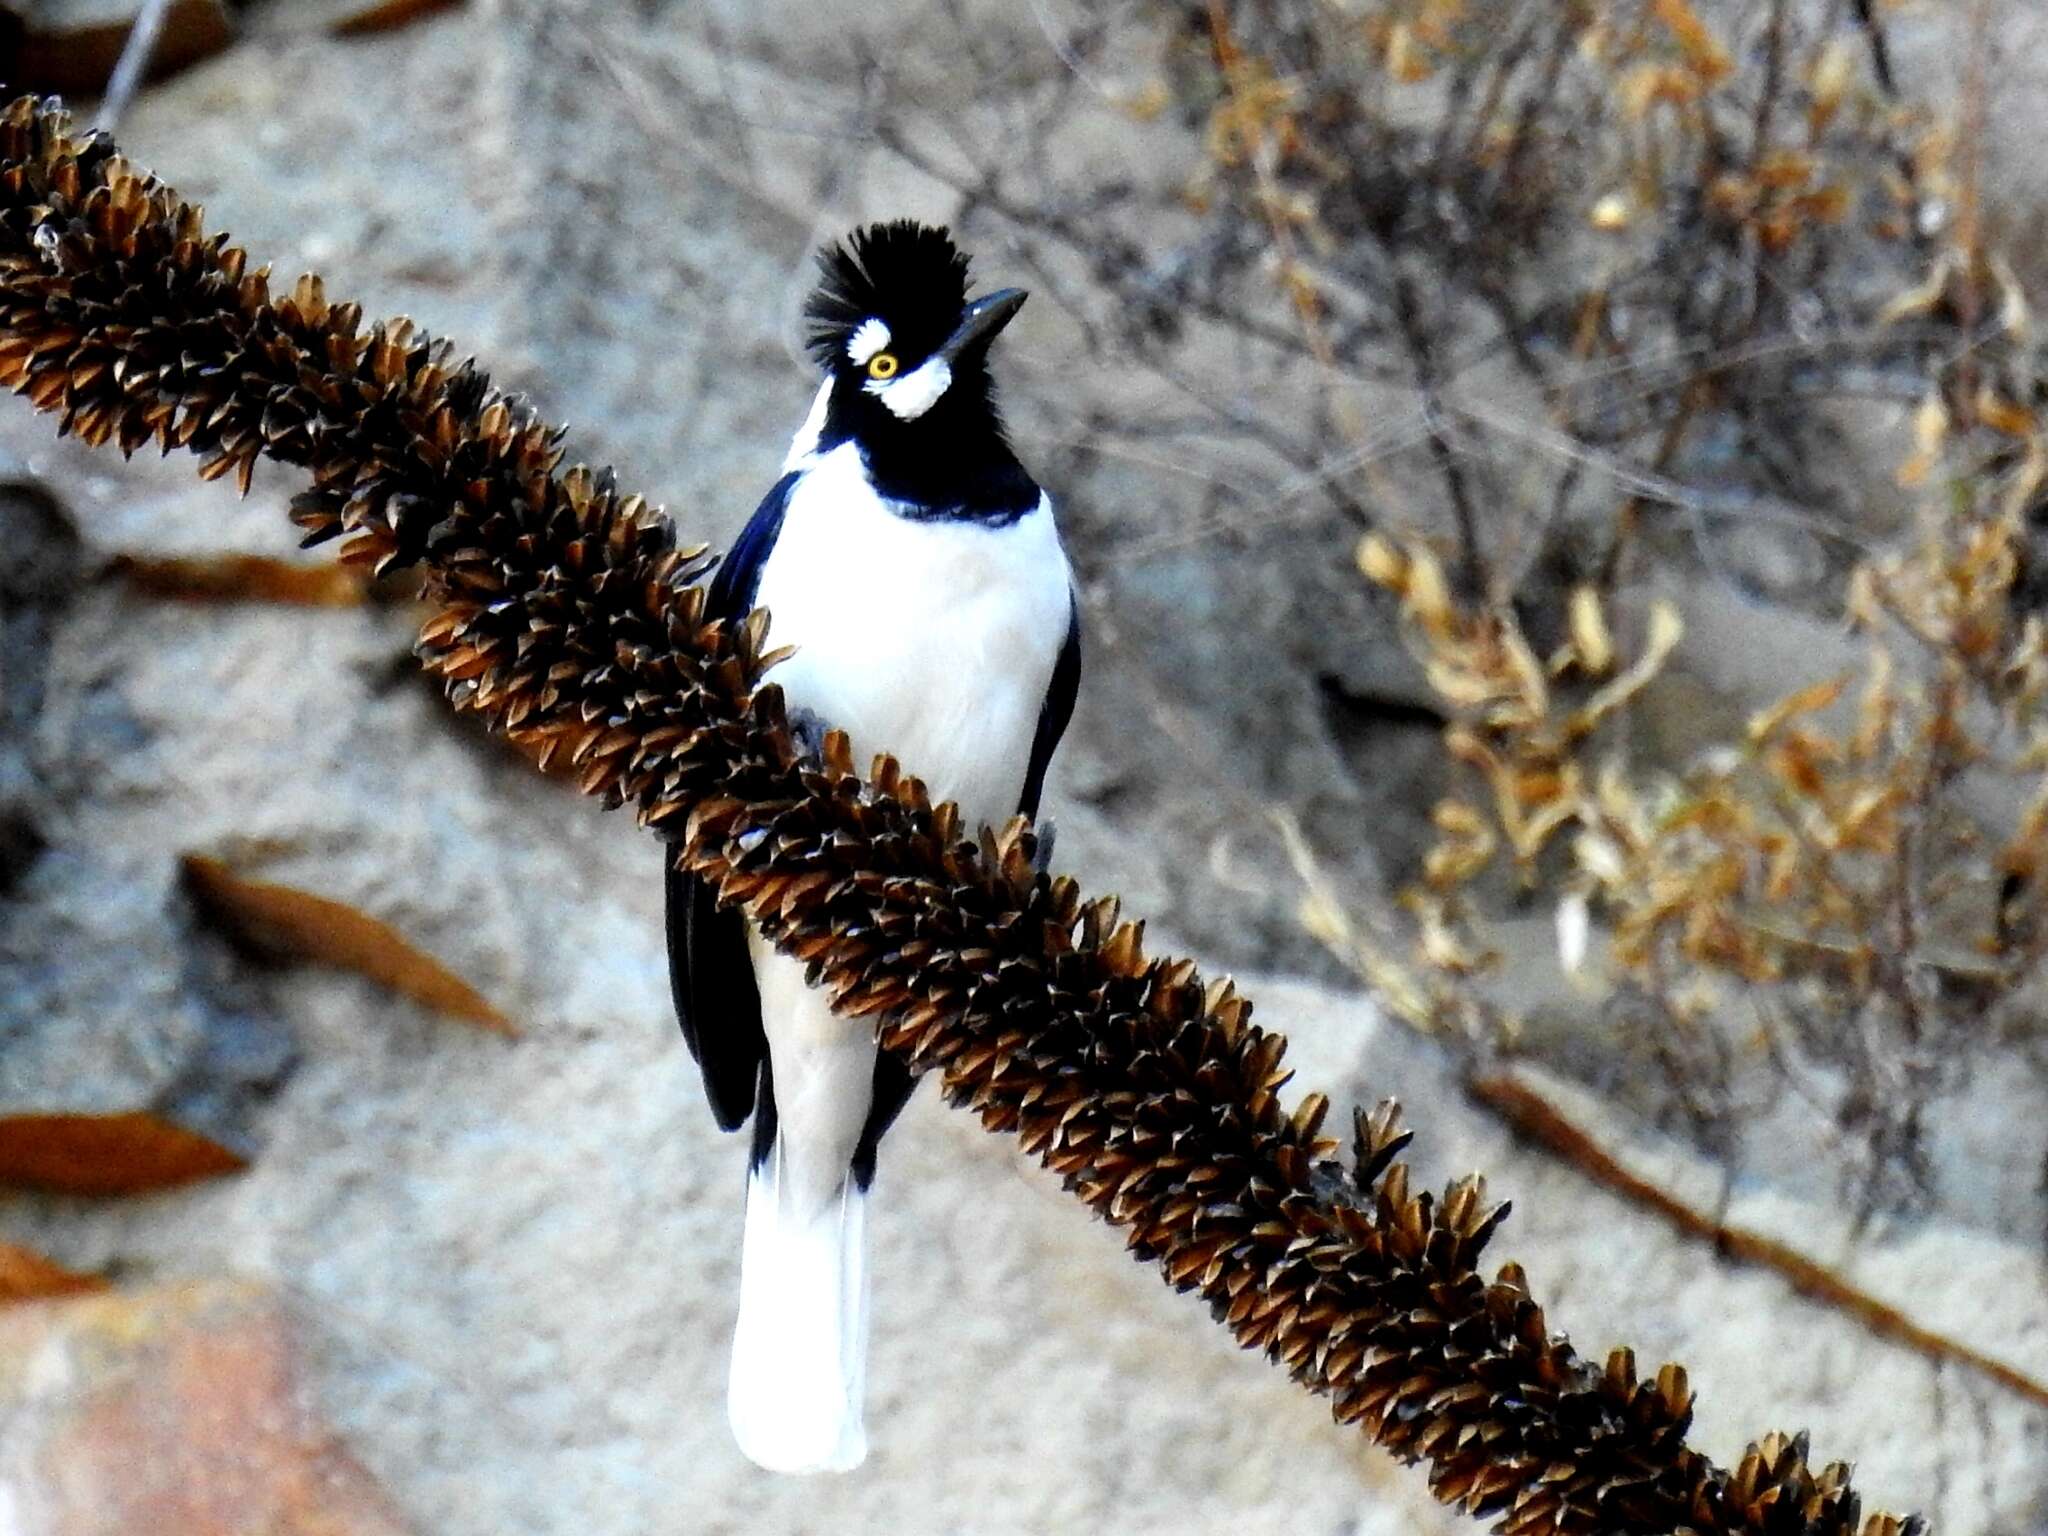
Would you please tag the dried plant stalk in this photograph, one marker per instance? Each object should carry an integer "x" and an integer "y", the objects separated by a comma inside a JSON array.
[{"x": 569, "y": 617}]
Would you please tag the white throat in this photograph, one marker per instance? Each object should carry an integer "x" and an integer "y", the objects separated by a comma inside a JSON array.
[{"x": 931, "y": 638}]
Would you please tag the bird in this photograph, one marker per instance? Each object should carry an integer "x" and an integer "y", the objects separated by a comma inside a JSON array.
[{"x": 918, "y": 571}]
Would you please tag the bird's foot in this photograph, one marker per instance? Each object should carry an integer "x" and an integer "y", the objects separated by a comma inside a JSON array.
[
  {"x": 807, "y": 728},
  {"x": 1044, "y": 834}
]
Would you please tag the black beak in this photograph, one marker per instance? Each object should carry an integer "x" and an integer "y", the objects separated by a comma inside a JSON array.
[{"x": 985, "y": 316}]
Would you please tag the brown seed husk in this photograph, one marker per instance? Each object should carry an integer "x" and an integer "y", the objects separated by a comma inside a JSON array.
[{"x": 569, "y": 617}]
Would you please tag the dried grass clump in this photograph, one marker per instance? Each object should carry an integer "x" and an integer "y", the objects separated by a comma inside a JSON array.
[
  {"x": 1706, "y": 235},
  {"x": 569, "y": 618},
  {"x": 1859, "y": 869},
  {"x": 1560, "y": 282}
]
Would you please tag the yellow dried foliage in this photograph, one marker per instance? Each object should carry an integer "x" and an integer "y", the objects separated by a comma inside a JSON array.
[
  {"x": 1835, "y": 860},
  {"x": 1828, "y": 82},
  {"x": 1831, "y": 844},
  {"x": 1257, "y": 110},
  {"x": 1411, "y": 39},
  {"x": 1780, "y": 196},
  {"x": 1701, "y": 49},
  {"x": 1656, "y": 114},
  {"x": 1796, "y": 854}
]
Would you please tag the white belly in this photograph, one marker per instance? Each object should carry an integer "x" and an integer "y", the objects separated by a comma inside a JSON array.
[{"x": 934, "y": 641}]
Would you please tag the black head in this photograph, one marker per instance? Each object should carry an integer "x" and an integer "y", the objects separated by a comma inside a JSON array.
[{"x": 906, "y": 354}]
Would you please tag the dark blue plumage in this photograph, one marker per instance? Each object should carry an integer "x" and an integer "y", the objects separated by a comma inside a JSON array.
[
  {"x": 1058, "y": 710},
  {"x": 710, "y": 977}
]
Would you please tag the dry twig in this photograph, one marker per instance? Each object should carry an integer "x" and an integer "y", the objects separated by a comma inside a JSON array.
[
  {"x": 1535, "y": 1117},
  {"x": 133, "y": 64}
]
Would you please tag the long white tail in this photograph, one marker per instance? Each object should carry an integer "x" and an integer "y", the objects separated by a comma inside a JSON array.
[{"x": 799, "y": 1354}]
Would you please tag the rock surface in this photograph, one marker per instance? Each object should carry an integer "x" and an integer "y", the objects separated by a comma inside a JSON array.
[
  {"x": 117, "y": 1005},
  {"x": 519, "y": 1260},
  {"x": 178, "y": 1411},
  {"x": 512, "y": 1263}
]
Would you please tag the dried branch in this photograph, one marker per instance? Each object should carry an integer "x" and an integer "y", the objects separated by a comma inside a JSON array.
[
  {"x": 1535, "y": 1117},
  {"x": 133, "y": 64},
  {"x": 1880, "y": 48},
  {"x": 569, "y": 617}
]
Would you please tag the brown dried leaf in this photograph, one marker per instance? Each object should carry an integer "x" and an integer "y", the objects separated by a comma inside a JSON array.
[
  {"x": 1828, "y": 81},
  {"x": 1800, "y": 760},
  {"x": 2001, "y": 414},
  {"x": 118, "y": 1154},
  {"x": 1524, "y": 672},
  {"x": 1704, "y": 54},
  {"x": 1651, "y": 85},
  {"x": 1406, "y": 61},
  {"x": 242, "y": 578},
  {"x": 1930, "y": 431},
  {"x": 1806, "y": 701},
  {"x": 388, "y": 16},
  {"x": 1428, "y": 595},
  {"x": 26, "y": 1275},
  {"x": 1450, "y": 864},
  {"x": 1866, "y": 822},
  {"x": 281, "y": 920}
]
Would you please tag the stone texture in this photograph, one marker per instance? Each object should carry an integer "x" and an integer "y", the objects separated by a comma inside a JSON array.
[
  {"x": 513, "y": 1262},
  {"x": 179, "y": 1412},
  {"x": 521, "y": 1257},
  {"x": 113, "y": 1000}
]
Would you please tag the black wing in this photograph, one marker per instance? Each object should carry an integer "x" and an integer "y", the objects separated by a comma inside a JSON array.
[
  {"x": 1057, "y": 710},
  {"x": 709, "y": 973}
]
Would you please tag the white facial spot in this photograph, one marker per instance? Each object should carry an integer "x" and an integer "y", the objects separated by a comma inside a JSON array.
[
  {"x": 866, "y": 342},
  {"x": 912, "y": 394}
]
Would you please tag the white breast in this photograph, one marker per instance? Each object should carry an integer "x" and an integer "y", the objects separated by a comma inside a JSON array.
[{"x": 932, "y": 640}]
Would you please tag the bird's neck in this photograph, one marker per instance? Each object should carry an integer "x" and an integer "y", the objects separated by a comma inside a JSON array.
[
  {"x": 946, "y": 471},
  {"x": 951, "y": 463}
]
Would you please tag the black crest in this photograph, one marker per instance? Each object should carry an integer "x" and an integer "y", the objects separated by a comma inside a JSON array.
[{"x": 909, "y": 275}]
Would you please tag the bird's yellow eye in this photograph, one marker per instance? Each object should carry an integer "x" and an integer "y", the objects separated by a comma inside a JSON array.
[{"x": 882, "y": 366}]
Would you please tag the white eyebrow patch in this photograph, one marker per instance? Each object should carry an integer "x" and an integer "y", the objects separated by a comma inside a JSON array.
[
  {"x": 912, "y": 394},
  {"x": 867, "y": 341}
]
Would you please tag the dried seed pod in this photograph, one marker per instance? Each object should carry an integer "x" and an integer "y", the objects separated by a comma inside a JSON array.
[{"x": 570, "y": 618}]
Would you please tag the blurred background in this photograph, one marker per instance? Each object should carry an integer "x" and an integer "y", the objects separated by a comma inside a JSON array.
[{"x": 1558, "y": 495}]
